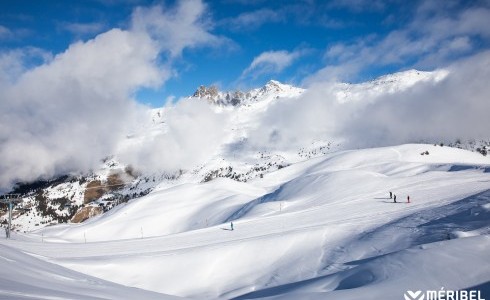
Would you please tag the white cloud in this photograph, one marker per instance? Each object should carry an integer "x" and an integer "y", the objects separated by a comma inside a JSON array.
[
  {"x": 13, "y": 63},
  {"x": 271, "y": 62},
  {"x": 69, "y": 112},
  {"x": 177, "y": 28},
  {"x": 5, "y": 32},
  {"x": 192, "y": 134},
  {"x": 254, "y": 19},
  {"x": 453, "y": 108},
  {"x": 83, "y": 28},
  {"x": 431, "y": 111}
]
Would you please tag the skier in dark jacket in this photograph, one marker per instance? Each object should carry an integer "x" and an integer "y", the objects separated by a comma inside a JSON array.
[
  {"x": 391, "y": 195},
  {"x": 394, "y": 198},
  {"x": 231, "y": 225}
]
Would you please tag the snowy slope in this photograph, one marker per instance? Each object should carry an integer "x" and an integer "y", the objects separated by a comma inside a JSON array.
[
  {"x": 390, "y": 276},
  {"x": 26, "y": 277},
  {"x": 323, "y": 227}
]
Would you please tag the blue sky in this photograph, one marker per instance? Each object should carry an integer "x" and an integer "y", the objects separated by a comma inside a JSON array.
[{"x": 243, "y": 44}]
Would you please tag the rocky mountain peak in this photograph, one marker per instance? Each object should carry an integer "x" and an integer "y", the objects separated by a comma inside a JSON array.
[
  {"x": 272, "y": 88},
  {"x": 272, "y": 85}
]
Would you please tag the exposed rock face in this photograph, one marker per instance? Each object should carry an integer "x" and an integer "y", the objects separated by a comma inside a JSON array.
[
  {"x": 94, "y": 191},
  {"x": 85, "y": 213}
]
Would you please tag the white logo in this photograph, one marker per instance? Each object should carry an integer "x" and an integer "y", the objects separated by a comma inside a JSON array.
[
  {"x": 418, "y": 295},
  {"x": 444, "y": 295}
]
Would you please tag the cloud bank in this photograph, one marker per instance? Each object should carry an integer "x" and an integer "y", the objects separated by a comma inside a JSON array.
[
  {"x": 430, "y": 111},
  {"x": 454, "y": 108},
  {"x": 69, "y": 112},
  {"x": 193, "y": 132}
]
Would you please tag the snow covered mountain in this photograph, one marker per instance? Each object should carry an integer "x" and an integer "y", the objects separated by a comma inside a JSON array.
[
  {"x": 76, "y": 197},
  {"x": 312, "y": 220},
  {"x": 387, "y": 84}
]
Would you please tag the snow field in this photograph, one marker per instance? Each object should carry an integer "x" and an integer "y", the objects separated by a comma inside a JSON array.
[{"x": 319, "y": 228}]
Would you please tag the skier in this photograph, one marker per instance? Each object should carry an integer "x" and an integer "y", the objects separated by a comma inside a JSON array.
[
  {"x": 391, "y": 195},
  {"x": 408, "y": 199},
  {"x": 231, "y": 225},
  {"x": 394, "y": 198}
]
